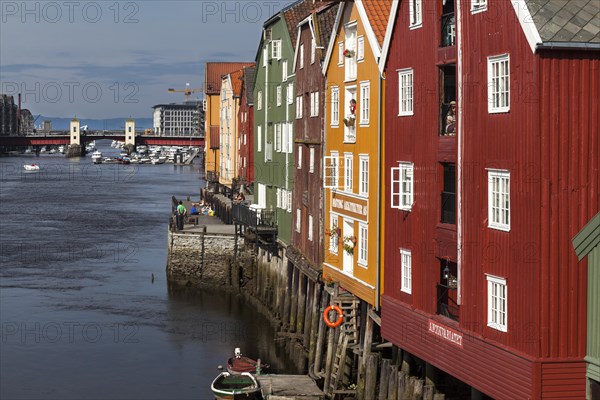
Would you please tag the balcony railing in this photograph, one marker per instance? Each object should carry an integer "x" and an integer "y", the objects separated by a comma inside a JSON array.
[
  {"x": 253, "y": 218},
  {"x": 446, "y": 303},
  {"x": 448, "y": 30},
  {"x": 448, "y": 208},
  {"x": 212, "y": 176}
]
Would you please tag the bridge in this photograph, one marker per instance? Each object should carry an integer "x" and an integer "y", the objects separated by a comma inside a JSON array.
[{"x": 65, "y": 139}]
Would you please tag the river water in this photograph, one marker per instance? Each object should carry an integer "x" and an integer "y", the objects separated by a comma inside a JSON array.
[{"x": 85, "y": 309}]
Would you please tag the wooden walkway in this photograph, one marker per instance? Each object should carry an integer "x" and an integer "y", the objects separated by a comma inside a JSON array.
[{"x": 288, "y": 387}]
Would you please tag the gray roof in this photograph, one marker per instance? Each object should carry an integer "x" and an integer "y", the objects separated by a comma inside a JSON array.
[
  {"x": 566, "y": 21},
  {"x": 249, "y": 84}
]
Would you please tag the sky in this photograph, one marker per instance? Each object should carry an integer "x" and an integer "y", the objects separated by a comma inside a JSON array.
[{"x": 105, "y": 59}]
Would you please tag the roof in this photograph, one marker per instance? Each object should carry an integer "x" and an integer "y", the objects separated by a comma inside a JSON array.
[
  {"x": 296, "y": 12},
  {"x": 326, "y": 23},
  {"x": 214, "y": 72},
  {"x": 188, "y": 106},
  {"x": 563, "y": 21},
  {"x": 249, "y": 84},
  {"x": 588, "y": 238},
  {"x": 378, "y": 12},
  {"x": 236, "y": 82}
]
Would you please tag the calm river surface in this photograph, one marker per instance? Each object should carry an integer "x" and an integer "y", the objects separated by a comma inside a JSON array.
[{"x": 80, "y": 315}]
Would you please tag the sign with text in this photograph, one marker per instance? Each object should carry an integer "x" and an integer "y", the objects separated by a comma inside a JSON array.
[
  {"x": 445, "y": 333},
  {"x": 345, "y": 205}
]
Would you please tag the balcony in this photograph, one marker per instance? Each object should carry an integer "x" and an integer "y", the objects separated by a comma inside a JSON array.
[
  {"x": 448, "y": 30},
  {"x": 260, "y": 224},
  {"x": 446, "y": 300}
]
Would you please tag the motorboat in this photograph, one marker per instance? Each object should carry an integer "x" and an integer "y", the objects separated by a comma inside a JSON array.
[
  {"x": 228, "y": 386},
  {"x": 97, "y": 157},
  {"x": 31, "y": 167},
  {"x": 239, "y": 364}
]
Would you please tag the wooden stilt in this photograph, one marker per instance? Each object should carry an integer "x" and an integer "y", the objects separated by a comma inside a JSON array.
[
  {"x": 330, "y": 354},
  {"x": 393, "y": 383},
  {"x": 384, "y": 377},
  {"x": 301, "y": 303},
  {"x": 314, "y": 323},
  {"x": 371, "y": 376},
  {"x": 294, "y": 301},
  {"x": 321, "y": 335},
  {"x": 310, "y": 285}
]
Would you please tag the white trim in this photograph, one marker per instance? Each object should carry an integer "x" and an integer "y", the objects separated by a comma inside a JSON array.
[
  {"x": 310, "y": 227},
  {"x": 500, "y": 175},
  {"x": 477, "y": 10},
  {"x": 459, "y": 154},
  {"x": 335, "y": 121},
  {"x": 373, "y": 42},
  {"x": 411, "y": 7},
  {"x": 388, "y": 36},
  {"x": 311, "y": 159},
  {"x": 491, "y": 60},
  {"x": 403, "y": 287},
  {"x": 360, "y": 56},
  {"x": 364, "y": 121},
  {"x": 341, "y": 271},
  {"x": 361, "y": 181},
  {"x": 349, "y": 172},
  {"x": 296, "y": 50},
  {"x": 529, "y": 29},
  {"x": 501, "y": 282},
  {"x": 334, "y": 34},
  {"x": 363, "y": 262},
  {"x": 402, "y": 72}
]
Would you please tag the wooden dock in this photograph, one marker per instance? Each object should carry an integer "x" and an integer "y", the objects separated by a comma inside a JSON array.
[{"x": 288, "y": 387}]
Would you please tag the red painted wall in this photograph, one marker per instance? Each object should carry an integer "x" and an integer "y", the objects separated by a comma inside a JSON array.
[{"x": 246, "y": 128}]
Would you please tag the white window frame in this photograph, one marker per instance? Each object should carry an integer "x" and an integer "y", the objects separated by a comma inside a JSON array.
[
  {"x": 262, "y": 195},
  {"x": 497, "y": 303},
  {"x": 334, "y": 240},
  {"x": 406, "y": 93},
  {"x": 311, "y": 162},
  {"x": 259, "y": 100},
  {"x": 314, "y": 104},
  {"x": 290, "y": 93},
  {"x": 279, "y": 95},
  {"x": 331, "y": 167},
  {"x": 498, "y": 84},
  {"x": 402, "y": 186},
  {"x": 335, "y": 106},
  {"x": 348, "y": 172},
  {"x": 265, "y": 56},
  {"x": 284, "y": 70},
  {"x": 405, "y": 271},
  {"x": 363, "y": 244},
  {"x": 310, "y": 227},
  {"x": 478, "y": 6},
  {"x": 278, "y": 140},
  {"x": 499, "y": 199},
  {"x": 301, "y": 56},
  {"x": 276, "y": 49},
  {"x": 259, "y": 138},
  {"x": 365, "y": 102},
  {"x": 299, "y": 107},
  {"x": 313, "y": 50},
  {"x": 298, "y": 220},
  {"x": 363, "y": 178},
  {"x": 341, "y": 54},
  {"x": 299, "y": 160},
  {"x": 415, "y": 8},
  {"x": 351, "y": 69},
  {"x": 360, "y": 48},
  {"x": 290, "y": 133}
]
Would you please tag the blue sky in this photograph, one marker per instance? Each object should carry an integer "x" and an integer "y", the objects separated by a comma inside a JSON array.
[{"x": 102, "y": 59}]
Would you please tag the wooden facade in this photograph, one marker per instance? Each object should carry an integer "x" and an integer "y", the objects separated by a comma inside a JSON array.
[
  {"x": 546, "y": 142},
  {"x": 231, "y": 87},
  {"x": 354, "y": 126},
  {"x": 246, "y": 128}
]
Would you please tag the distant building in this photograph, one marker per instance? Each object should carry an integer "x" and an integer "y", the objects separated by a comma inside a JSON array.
[
  {"x": 178, "y": 119},
  {"x": 8, "y": 116},
  {"x": 46, "y": 126},
  {"x": 26, "y": 127}
]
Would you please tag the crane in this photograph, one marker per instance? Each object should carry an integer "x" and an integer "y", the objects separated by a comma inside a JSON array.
[{"x": 187, "y": 91}]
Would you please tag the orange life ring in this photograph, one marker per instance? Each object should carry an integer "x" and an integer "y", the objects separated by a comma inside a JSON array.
[{"x": 338, "y": 322}]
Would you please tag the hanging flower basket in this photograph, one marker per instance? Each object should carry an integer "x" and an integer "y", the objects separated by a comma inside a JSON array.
[
  {"x": 327, "y": 280},
  {"x": 348, "y": 53},
  {"x": 349, "y": 121},
  {"x": 349, "y": 244},
  {"x": 334, "y": 231}
]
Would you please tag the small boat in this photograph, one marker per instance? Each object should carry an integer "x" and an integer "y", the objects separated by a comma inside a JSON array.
[
  {"x": 31, "y": 167},
  {"x": 97, "y": 157},
  {"x": 228, "y": 386},
  {"x": 240, "y": 364}
]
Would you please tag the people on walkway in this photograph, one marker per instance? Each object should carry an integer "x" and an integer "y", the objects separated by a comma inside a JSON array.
[{"x": 181, "y": 213}]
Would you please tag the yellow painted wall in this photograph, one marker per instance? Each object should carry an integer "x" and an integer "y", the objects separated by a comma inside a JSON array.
[
  {"x": 213, "y": 103},
  {"x": 363, "y": 280}
]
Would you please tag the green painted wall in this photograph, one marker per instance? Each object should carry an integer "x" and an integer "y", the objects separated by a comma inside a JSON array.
[
  {"x": 278, "y": 171},
  {"x": 593, "y": 314}
]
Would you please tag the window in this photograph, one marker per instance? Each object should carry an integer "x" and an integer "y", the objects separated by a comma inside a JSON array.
[
  {"x": 416, "y": 13},
  {"x": 299, "y": 163},
  {"x": 365, "y": 89},
  {"x": 478, "y": 6},
  {"x": 350, "y": 48},
  {"x": 363, "y": 236},
  {"x": 406, "y": 271},
  {"x": 314, "y": 104},
  {"x": 332, "y": 170},
  {"x": 276, "y": 54},
  {"x": 265, "y": 56},
  {"x": 334, "y": 238},
  {"x": 335, "y": 106},
  {"x": 310, "y": 228},
  {"x": 301, "y": 56},
  {"x": 298, "y": 219},
  {"x": 402, "y": 186},
  {"x": 341, "y": 53},
  {"x": 284, "y": 70},
  {"x": 289, "y": 205},
  {"x": 499, "y": 199},
  {"x": 311, "y": 165},
  {"x": 262, "y": 195},
  {"x": 299, "y": 107},
  {"x": 313, "y": 50},
  {"x": 405, "y": 91},
  {"x": 348, "y": 161},
  {"x": 360, "y": 51},
  {"x": 497, "y": 303},
  {"x": 449, "y": 195},
  {"x": 290, "y": 141},
  {"x": 498, "y": 84},
  {"x": 363, "y": 185},
  {"x": 278, "y": 95},
  {"x": 259, "y": 138},
  {"x": 278, "y": 138},
  {"x": 259, "y": 100},
  {"x": 290, "y": 93}
]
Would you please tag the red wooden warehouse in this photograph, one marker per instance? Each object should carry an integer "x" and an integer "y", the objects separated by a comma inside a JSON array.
[
  {"x": 492, "y": 166},
  {"x": 245, "y": 117}
]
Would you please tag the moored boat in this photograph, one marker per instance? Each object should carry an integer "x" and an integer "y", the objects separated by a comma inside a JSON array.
[
  {"x": 97, "y": 157},
  {"x": 240, "y": 364},
  {"x": 227, "y": 386},
  {"x": 31, "y": 167}
]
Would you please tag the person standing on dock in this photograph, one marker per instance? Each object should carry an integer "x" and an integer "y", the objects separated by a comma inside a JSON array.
[{"x": 181, "y": 212}]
